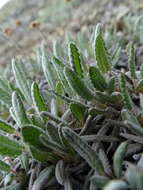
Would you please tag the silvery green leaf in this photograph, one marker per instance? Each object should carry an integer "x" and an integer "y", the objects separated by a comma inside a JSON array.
[
  {"x": 54, "y": 107},
  {"x": 19, "y": 110},
  {"x": 116, "y": 185},
  {"x": 68, "y": 148},
  {"x": 116, "y": 55},
  {"x": 9, "y": 147},
  {"x": 4, "y": 166},
  {"x": 8, "y": 179},
  {"x": 37, "y": 98},
  {"x": 12, "y": 113},
  {"x": 52, "y": 145},
  {"x": 16, "y": 186},
  {"x": 98, "y": 31},
  {"x": 37, "y": 121},
  {"x": 125, "y": 94},
  {"x": 131, "y": 60},
  {"x": 68, "y": 185},
  {"x": 43, "y": 156},
  {"x": 134, "y": 177},
  {"x": 4, "y": 84},
  {"x": 59, "y": 67},
  {"x": 58, "y": 51},
  {"x": 99, "y": 181},
  {"x": 97, "y": 79},
  {"x": 44, "y": 177},
  {"x": 118, "y": 158},
  {"x": 140, "y": 162},
  {"x": 111, "y": 85},
  {"x": 5, "y": 97},
  {"x": 21, "y": 79},
  {"x": 141, "y": 70},
  {"x": 4, "y": 126},
  {"x": 132, "y": 121},
  {"x": 101, "y": 54},
  {"x": 24, "y": 159},
  {"x": 54, "y": 118},
  {"x": 78, "y": 110},
  {"x": 14, "y": 88},
  {"x": 52, "y": 132},
  {"x": 83, "y": 149},
  {"x": 75, "y": 59},
  {"x": 139, "y": 87},
  {"x": 31, "y": 135},
  {"x": 128, "y": 115},
  {"x": 60, "y": 172},
  {"x": 48, "y": 69},
  {"x": 78, "y": 84}
]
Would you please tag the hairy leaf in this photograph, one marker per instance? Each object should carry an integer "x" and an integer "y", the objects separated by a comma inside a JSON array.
[
  {"x": 16, "y": 186},
  {"x": 83, "y": 149},
  {"x": 37, "y": 98},
  {"x": 5, "y": 97},
  {"x": 21, "y": 79},
  {"x": 75, "y": 59},
  {"x": 99, "y": 181},
  {"x": 4, "y": 166},
  {"x": 59, "y": 67},
  {"x": 78, "y": 84},
  {"x": 131, "y": 60},
  {"x": 48, "y": 70},
  {"x": 101, "y": 54},
  {"x": 124, "y": 92},
  {"x": 111, "y": 85},
  {"x": 135, "y": 177},
  {"x": 52, "y": 132},
  {"x": 42, "y": 156},
  {"x": 44, "y": 176},
  {"x": 19, "y": 110},
  {"x": 118, "y": 158},
  {"x": 4, "y": 126},
  {"x": 78, "y": 111},
  {"x": 31, "y": 135},
  {"x": 60, "y": 172},
  {"x": 97, "y": 79},
  {"x": 116, "y": 185},
  {"x": 52, "y": 145},
  {"x": 9, "y": 147}
]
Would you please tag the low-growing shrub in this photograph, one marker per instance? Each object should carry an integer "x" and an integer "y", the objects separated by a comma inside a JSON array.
[{"x": 81, "y": 128}]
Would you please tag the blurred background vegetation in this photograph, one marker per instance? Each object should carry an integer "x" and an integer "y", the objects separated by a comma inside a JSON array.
[{"x": 25, "y": 23}]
